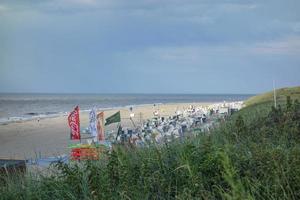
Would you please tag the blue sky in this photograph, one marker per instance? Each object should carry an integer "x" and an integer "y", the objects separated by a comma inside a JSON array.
[{"x": 149, "y": 46}]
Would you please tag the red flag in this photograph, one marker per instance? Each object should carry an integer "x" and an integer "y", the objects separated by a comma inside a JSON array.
[
  {"x": 74, "y": 124},
  {"x": 100, "y": 126}
]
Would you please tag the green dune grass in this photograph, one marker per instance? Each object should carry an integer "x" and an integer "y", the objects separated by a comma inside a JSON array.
[{"x": 293, "y": 92}]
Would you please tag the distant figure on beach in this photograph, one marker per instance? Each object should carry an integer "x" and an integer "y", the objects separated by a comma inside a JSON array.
[
  {"x": 155, "y": 113},
  {"x": 131, "y": 115}
]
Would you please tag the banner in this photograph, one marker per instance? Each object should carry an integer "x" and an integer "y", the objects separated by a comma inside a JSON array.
[
  {"x": 74, "y": 124},
  {"x": 92, "y": 124},
  {"x": 113, "y": 119},
  {"x": 100, "y": 126}
]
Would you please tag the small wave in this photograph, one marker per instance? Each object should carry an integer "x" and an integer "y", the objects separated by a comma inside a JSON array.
[
  {"x": 32, "y": 114},
  {"x": 52, "y": 113},
  {"x": 4, "y": 121}
]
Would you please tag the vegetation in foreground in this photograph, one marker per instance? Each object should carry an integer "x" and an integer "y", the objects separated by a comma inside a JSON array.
[{"x": 254, "y": 155}]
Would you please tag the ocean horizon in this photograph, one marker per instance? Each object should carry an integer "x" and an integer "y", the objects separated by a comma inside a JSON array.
[{"x": 26, "y": 106}]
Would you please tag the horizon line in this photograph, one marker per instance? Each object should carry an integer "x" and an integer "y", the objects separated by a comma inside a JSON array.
[{"x": 124, "y": 93}]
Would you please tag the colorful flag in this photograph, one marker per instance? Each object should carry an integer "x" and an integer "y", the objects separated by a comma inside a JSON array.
[
  {"x": 74, "y": 124},
  {"x": 100, "y": 126},
  {"x": 113, "y": 119},
  {"x": 93, "y": 125}
]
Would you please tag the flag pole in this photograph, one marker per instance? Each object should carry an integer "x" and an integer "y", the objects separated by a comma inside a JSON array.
[
  {"x": 275, "y": 99},
  {"x": 119, "y": 124},
  {"x": 103, "y": 126},
  {"x": 79, "y": 125}
]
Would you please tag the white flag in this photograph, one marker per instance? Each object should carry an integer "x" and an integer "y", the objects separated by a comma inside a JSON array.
[{"x": 93, "y": 125}]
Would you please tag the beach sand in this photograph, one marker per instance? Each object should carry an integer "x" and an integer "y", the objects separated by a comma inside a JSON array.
[{"x": 51, "y": 136}]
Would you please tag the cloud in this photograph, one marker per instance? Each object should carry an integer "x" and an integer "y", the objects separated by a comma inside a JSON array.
[
  {"x": 132, "y": 5},
  {"x": 138, "y": 35},
  {"x": 84, "y": 2},
  {"x": 196, "y": 55},
  {"x": 3, "y": 9},
  {"x": 296, "y": 27},
  {"x": 285, "y": 46},
  {"x": 145, "y": 23}
]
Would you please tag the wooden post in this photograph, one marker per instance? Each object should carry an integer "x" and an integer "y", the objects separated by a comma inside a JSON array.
[
  {"x": 275, "y": 99},
  {"x": 141, "y": 118}
]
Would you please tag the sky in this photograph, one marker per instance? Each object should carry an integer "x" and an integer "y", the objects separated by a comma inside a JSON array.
[{"x": 149, "y": 46}]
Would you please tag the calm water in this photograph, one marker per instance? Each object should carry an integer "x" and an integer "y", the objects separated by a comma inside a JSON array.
[{"x": 14, "y": 107}]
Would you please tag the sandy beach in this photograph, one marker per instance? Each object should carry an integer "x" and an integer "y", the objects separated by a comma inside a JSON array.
[{"x": 50, "y": 136}]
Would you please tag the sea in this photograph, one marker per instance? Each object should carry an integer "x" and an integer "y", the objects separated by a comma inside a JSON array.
[{"x": 20, "y": 107}]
